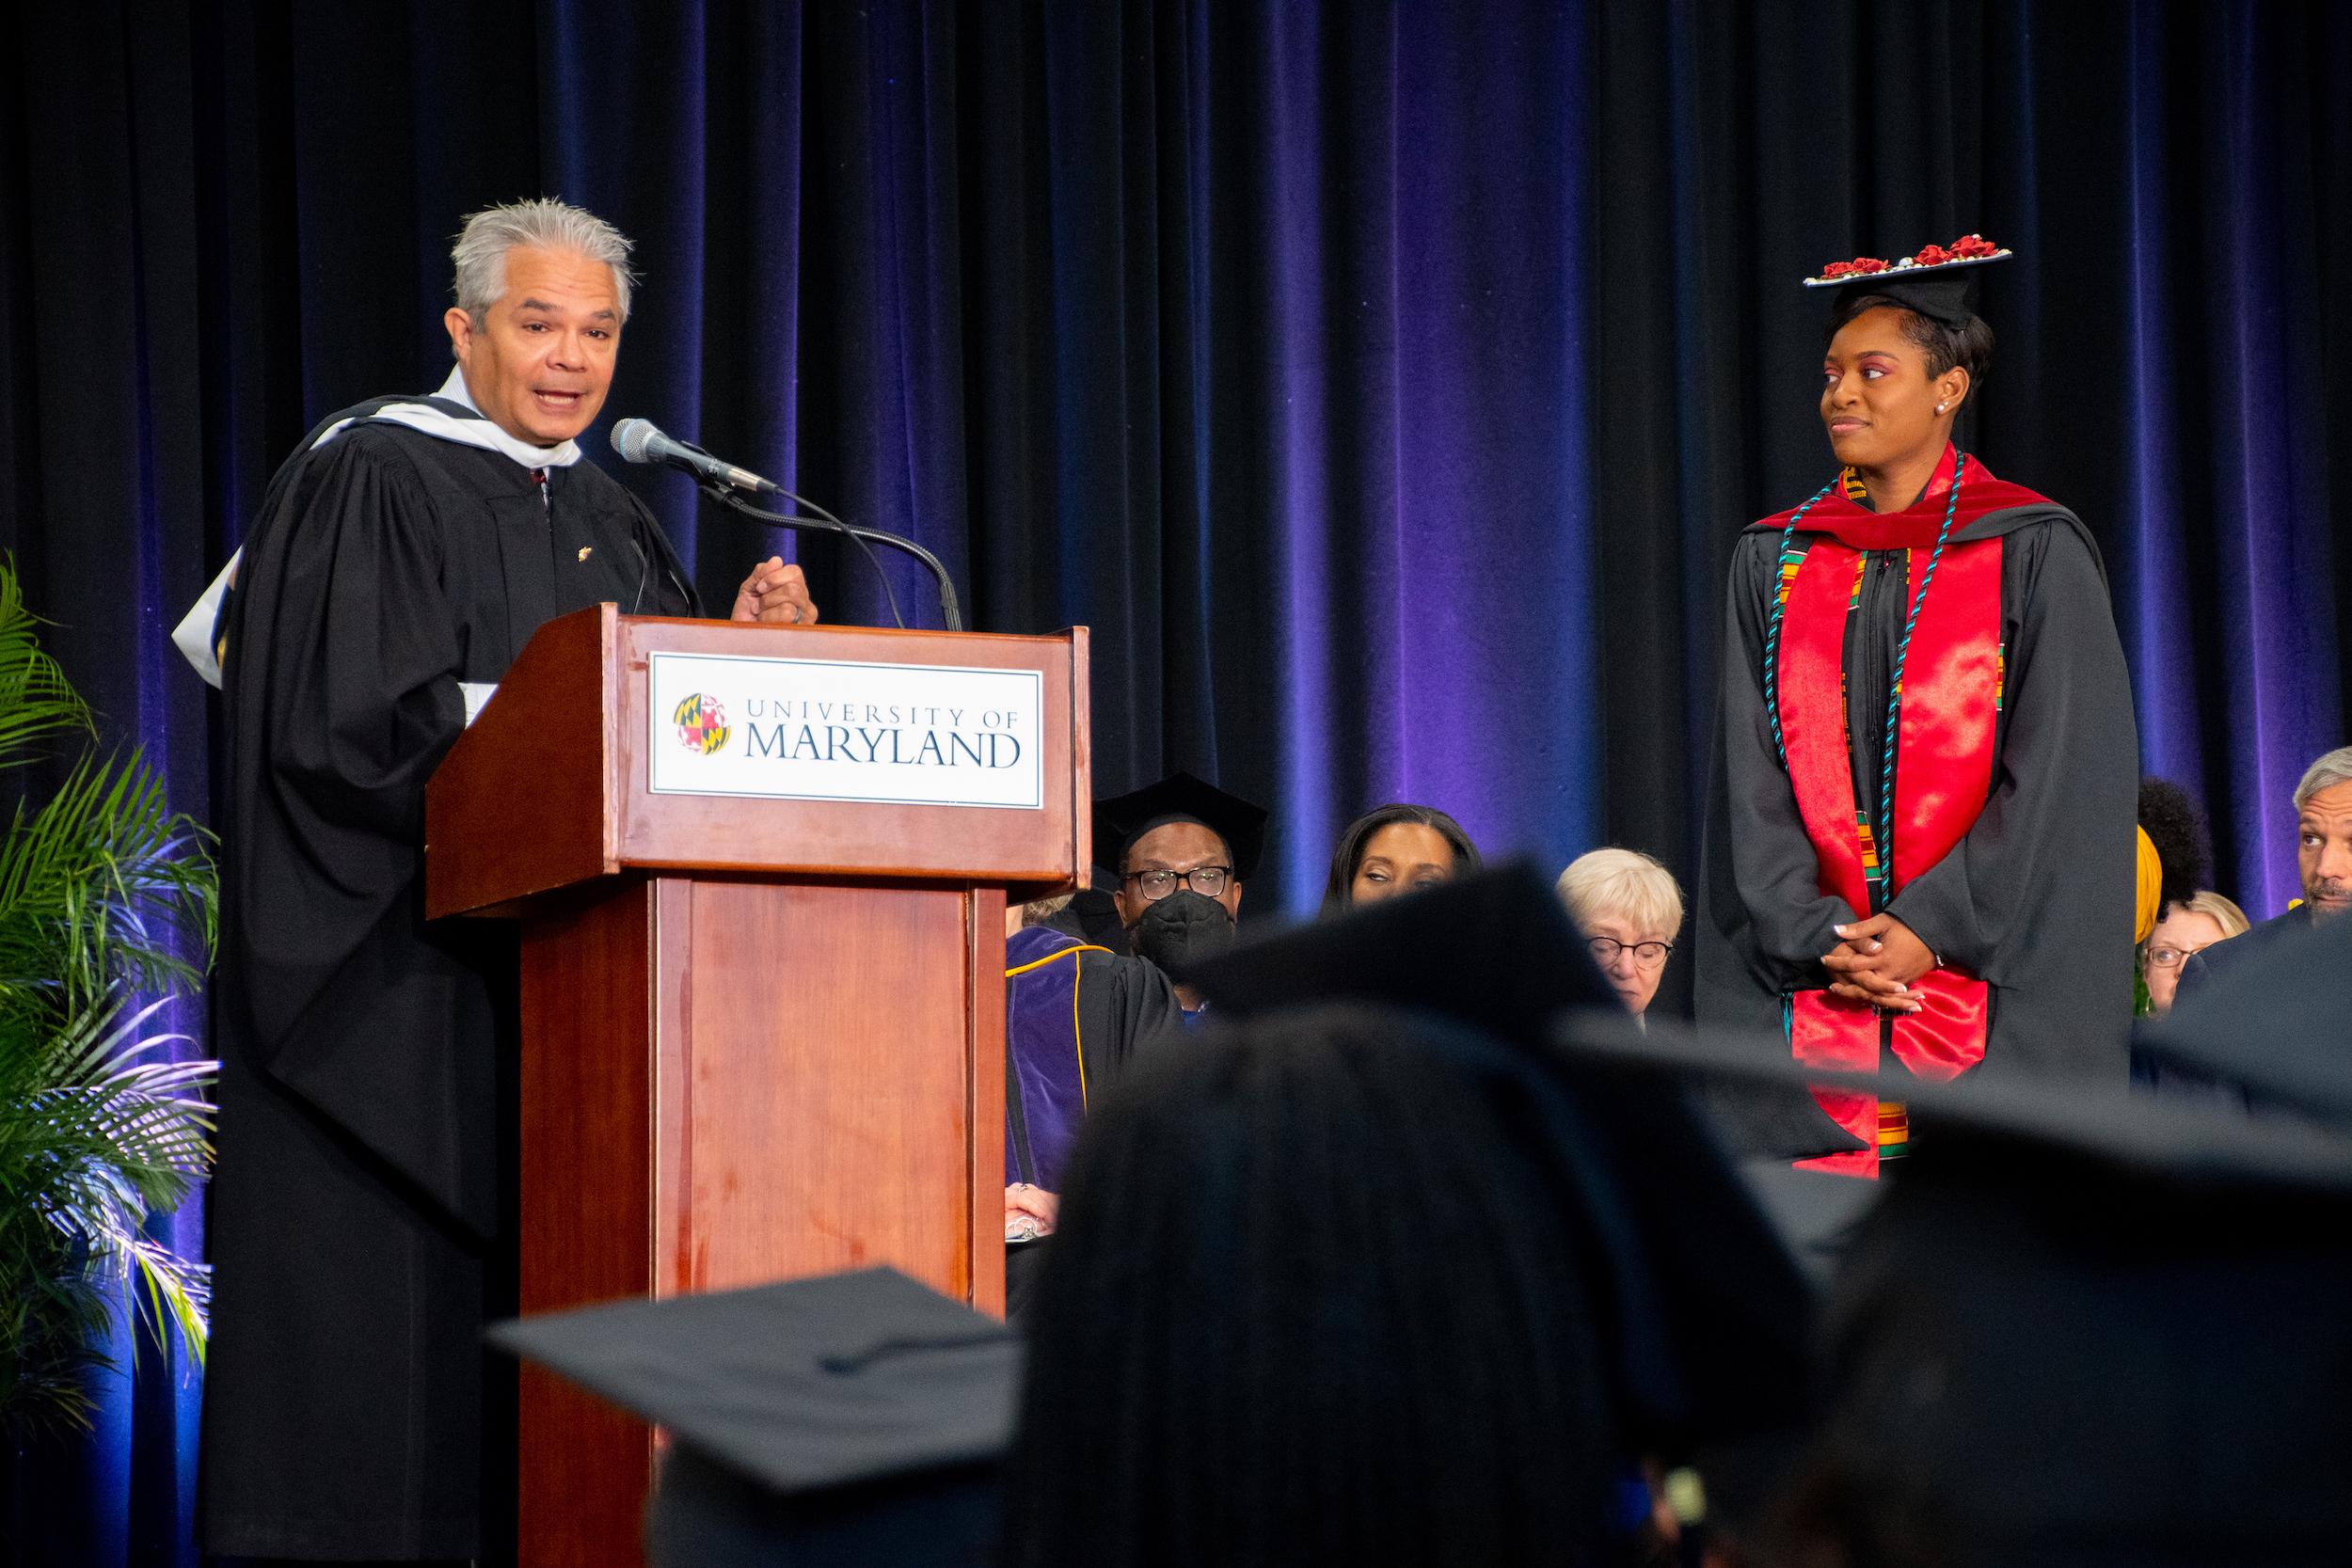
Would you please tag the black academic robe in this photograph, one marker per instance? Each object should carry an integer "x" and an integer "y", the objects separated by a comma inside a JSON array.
[
  {"x": 359, "y": 1221},
  {"x": 1076, "y": 1020},
  {"x": 2036, "y": 900}
]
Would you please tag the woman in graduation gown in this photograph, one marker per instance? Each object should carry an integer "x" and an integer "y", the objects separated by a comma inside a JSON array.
[{"x": 1921, "y": 826}]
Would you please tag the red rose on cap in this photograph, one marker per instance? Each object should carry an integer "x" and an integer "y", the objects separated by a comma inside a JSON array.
[
  {"x": 1932, "y": 256},
  {"x": 1859, "y": 264},
  {"x": 1974, "y": 245}
]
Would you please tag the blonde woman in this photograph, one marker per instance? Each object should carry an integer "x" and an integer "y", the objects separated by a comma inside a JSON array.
[
  {"x": 2188, "y": 927},
  {"x": 1629, "y": 909}
]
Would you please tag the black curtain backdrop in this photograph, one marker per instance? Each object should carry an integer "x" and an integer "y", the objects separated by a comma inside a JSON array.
[{"x": 1384, "y": 384}]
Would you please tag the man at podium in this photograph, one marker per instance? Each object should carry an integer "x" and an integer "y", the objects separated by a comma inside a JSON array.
[{"x": 361, "y": 1213}]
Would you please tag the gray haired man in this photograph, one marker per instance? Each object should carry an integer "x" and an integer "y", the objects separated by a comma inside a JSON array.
[
  {"x": 361, "y": 1222},
  {"x": 2323, "y": 855}
]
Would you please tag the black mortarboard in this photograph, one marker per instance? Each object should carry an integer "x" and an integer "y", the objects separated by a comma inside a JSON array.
[
  {"x": 1496, "y": 950},
  {"x": 856, "y": 1418},
  {"x": 1934, "y": 281},
  {"x": 2274, "y": 1025},
  {"x": 1716, "y": 1345},
  {"x": 1179, "y": 798},
  {"x": 2080, "y": 1326}
]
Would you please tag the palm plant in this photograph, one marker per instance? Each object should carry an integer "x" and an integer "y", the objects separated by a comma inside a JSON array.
[{"x": 104, "y": 893}]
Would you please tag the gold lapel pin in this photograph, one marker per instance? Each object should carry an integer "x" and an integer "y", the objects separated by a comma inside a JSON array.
[{"x": 586, "y": 550}]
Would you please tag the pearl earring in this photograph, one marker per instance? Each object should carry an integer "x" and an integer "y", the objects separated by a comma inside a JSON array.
[{"x": 1939, "y": 408}]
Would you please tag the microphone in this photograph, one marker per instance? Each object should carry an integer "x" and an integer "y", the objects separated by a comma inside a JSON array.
[{"x": 643, "y": 442}]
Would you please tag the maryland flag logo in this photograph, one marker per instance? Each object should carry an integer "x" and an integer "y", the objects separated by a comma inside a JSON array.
[{"x": 702, "y": 724}]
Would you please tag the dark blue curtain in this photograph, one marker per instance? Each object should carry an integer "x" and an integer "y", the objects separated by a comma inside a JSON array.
[{"x": 1383, "y": 382}]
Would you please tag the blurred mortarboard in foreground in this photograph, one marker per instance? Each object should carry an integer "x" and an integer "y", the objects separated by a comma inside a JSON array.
[
  {"x": 2080, "y": 1326},
  {"x": 1499, "y": 951},
  {"x": 851, "y": 1418},
  {"x": 2278, "y": 1026},
  {"x": 1933, "y": 281},
  {"x": 1495, "y": 950},
  {"x": 1713, "y": 1314},
  {"x": 1179, "y": 798}
]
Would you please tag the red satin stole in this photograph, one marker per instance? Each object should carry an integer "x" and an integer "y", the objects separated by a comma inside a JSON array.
[{"x": 1943, "y": 774}]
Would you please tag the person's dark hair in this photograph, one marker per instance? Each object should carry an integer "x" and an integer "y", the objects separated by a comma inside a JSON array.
[
  {"x": 2177, "y": 828},
  {"x": 1349, "y": 856},
  {"x": 1318, "y": 1294},
  {"x": 1997, "y": 1271},
  {"x": 1968, "y": 345}
]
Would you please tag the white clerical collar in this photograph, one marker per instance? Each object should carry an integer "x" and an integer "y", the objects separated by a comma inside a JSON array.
[
  {"x": 472, "y": 429},
  {"x": 478, "y": 431}
]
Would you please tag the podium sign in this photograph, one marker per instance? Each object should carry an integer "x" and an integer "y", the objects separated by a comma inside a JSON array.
[
  {"x": 807, "y": 729},
  {"x": 762, "y": 968}
]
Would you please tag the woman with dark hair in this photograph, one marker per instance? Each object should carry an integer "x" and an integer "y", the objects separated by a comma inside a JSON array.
[
  {"x": 1348, "y": 1284},
  {"x": 1396, "y": 849},
  {"x": 1919, "y": 838},
  {"x": 2177, "y": 917}
]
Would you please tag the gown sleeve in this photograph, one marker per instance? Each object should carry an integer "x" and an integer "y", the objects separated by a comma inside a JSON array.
[
  {"x": 2038, "y": 898},
  {"x": 1763, "y": 922},
  {"x": 343, "y": 699},
  {"x": 2070, "y": 751},
  {"x": 1155, "y": 1019},
  {"x": 1776, "y": 872},
  {"x": 356, "y": 667},
  {"x": 1131, "y": 1008}
]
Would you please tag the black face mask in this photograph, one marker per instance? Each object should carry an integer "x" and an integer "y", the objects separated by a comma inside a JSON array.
[{"x": 1182, "y": 929}]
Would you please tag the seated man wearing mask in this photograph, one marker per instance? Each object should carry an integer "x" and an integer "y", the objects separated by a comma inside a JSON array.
[{"x": 1181, "y": 849}]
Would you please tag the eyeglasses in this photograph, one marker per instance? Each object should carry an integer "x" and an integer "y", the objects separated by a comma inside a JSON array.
[
  {"x": 1648, "y": 955},
  {"x": 1209, "y": 881},
  {"x": 2173, "y": 958}
]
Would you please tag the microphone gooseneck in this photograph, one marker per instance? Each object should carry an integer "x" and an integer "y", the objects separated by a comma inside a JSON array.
[{"x": 643, "y": 442}]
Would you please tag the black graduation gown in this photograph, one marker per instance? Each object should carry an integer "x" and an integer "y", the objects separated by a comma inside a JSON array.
[
  {"x": 358, "y": 1212},
  {"x": 2036, "y": 900}
]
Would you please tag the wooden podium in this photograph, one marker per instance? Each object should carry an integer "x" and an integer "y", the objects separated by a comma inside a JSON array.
[{"x": 762, "y": 1036}]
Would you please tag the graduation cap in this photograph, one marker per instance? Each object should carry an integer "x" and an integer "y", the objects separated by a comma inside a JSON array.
[
  {"x": 850, "y": 1419},
  {"x": 2273, "y": 1025},
  {"x": 1179, "y": 798},
  {"x": 2080, "y": 1326},
  {"x": 1933, "y": 281},
  {"x": 1495, "y": 950},
  {"x": 1716, "y": 1347}
]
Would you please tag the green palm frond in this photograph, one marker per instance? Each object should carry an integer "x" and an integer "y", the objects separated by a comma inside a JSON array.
[
  {"x": 54, "y": 1315},
  {"x": 36, "y": 699},
  {"x": 106, "y": 896},
  {"x": 96, "y": 882},
  {"x": 99, "y": 1129}
]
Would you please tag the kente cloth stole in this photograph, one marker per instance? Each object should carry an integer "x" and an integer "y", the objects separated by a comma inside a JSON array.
[{"x": 1942, "y": 773}]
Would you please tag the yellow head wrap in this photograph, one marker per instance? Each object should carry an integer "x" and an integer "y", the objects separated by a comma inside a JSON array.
[{"x": 2151, "y": 887}]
